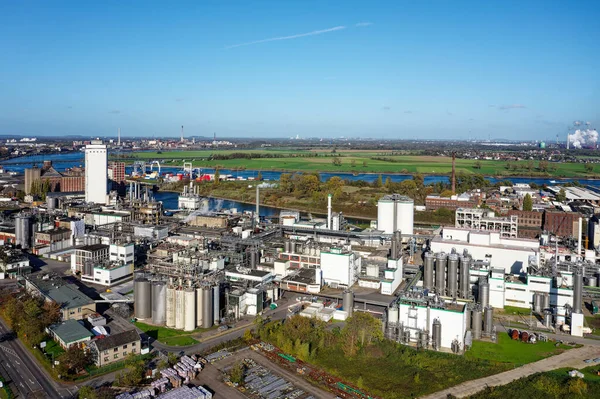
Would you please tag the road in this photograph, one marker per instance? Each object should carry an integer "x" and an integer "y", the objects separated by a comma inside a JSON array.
[
  {"x": 572, "y": 358},
  {"x": 27, "y": 374}
]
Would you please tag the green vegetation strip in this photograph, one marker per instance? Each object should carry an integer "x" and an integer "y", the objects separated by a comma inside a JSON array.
[
  {"x": 512, "y": 351},
  {"x": 363, "y": 162},
  {"x": 169, "y": 336}
]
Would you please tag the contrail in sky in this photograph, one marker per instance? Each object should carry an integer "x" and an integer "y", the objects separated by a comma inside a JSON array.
[{"x": 273, "y": 39}]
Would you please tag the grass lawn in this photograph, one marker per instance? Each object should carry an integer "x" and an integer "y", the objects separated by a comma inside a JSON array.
[
  {"x": 53, "y": 347},
  {"x": 514, "y": 352},
  {"x": 515, "y": 310},
  {"x": 169, "y": 336},
  {"x": 594, "y": 323}
]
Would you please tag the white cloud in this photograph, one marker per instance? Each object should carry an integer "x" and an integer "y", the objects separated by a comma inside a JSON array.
[
  {"x": 363, "y": 24},
  {"x": 299, "y": 35}
]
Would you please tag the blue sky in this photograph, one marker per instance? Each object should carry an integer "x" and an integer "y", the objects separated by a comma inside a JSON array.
[{"x": 393, "y": 69}]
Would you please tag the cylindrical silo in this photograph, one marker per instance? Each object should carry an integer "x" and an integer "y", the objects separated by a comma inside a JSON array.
[
  {"x": 23, "y": 230},
  {"x": 189, "y": 323},
  {"x": 386, "y": 215},
  {"x": 484, "y": 293},
  {"x": 393, "y": 314},
  {"x": 170, "y": 312},
  {"x": 465, "y": 277},
  {"x": 577, "y": 291},
  {"x": 546, "y": 301},
  {"x": 537, "y": 302},
  {"x": 159, "y": 303},
  {"x": 50, "y": 202},
  {"x": 476, "y": 320},
  {"x": 199, "y": 307},
  {"x": 179, "y": 309},
  {"x": 207, "y": 305},
  {"x": 216, "y": 304},
  {"x": 405, "y": 211},
  {"x": 592, "y": 282},
  {"x": 467, "y": 317},
  {"x": 252, "y": 259},
  {"x": 437, "y": 334},
  {"x": 424, "y": 339},
  {"x": 440, "y": 273},
  {"x": 287, "y": 247},
  {"x": 452, "y": 278},
  {"x": 428, "y": 270},
  {"x": 142, "y": 297},
  {"x": 548, "y": 318},
  {"x": 348, "y": 301},
  {"x": 489, "y": 320}
]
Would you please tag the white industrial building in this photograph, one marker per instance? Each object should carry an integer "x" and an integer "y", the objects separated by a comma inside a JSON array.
[
  {"x": 339, "y": 267},
  {"x": 511, "y": 254},
  {"x": 96, "y": 172},
  {"x": 484, "y": 219},
  {"x": 112, "y": 269},
  {"x": 395, "y": 213}
]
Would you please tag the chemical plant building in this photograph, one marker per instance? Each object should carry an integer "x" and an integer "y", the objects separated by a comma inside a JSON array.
[
  {"x": 96, "y": 172},
  {"x": 481, "y": 219}
]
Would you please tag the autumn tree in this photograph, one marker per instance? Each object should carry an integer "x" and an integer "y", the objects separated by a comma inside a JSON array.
[
  {"x": 360, "y": 331},
  {"x": 75, "y": 359},
  {"x": 527, "y": 203}
]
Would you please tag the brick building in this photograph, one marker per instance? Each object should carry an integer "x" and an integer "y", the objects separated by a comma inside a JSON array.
[
  {"x": 434, "y": 202},
  {"x": 563, "y": 224}
]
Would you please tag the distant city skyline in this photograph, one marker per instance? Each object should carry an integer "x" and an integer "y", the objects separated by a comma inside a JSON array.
[{"x": 390, "y": 70}]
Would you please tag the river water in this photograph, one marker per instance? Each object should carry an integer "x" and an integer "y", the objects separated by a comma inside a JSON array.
[{"x": 72, "y": 159}]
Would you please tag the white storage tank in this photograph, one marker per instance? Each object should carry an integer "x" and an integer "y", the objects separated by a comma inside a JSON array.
[
  {"x": 190, "y": 309},
  {"x": 405, "y": 211},
  {"x": 385, "y": 215},
  {"x": 170, "y": 306},
  {"x": 199, "y": 307},
  {"x": 395, "y": 212},
  {"x": 393, "y": 314},
  {"x": 179, "y": 309}
]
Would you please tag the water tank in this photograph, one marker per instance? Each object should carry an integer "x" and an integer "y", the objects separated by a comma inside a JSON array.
[
  {"x": 207, "y": 307},
  {"x": 348, "y": 300},
  {"x": 440, "y": 273},
  {"x": 537, "y": 302},
  {"x": 142, "y": 297},
  {"x": 476, "y": 323},
  {"x": 428, "y": 270},
  {"x": 465, "y": 277},
  {"x": 424, "y": 339},
  {"x": 548, "y": 318},
  {"x": 189, "y": 323},
  {"x": 23, "y": 230},
  {"x": 170, "y": 312},
  {"x": 393, "y": 315},
  {"x": 484, "y": 293},
  {"x": 159, "y": 303},
  {"x": 386, "y": 215},
  {"x": 50, "y": 202},
  {"x": 489, "y": 320},
  {"x": 577, "y": 291},
  {"x": 216, "y": 304},
  {"x": 452, "y": 277},
  {"x": 437, "y": 334},
  {"x": 592, "y": 282},
  {"x": 199, "y": 307},
  {"x": 179, "y": 309},
  {"x": 405, "y": 211},
  {"x": 546, "y": 301}
]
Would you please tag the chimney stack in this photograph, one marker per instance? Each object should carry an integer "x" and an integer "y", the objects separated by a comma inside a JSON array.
[{"x": 454, "y": 173}]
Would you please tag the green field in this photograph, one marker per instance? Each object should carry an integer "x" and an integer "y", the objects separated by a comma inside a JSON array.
[
  {"x": 511, "y": 351},
  {"x": 513, "y": 310},
  {"x": 362, "y": 162},
  {"x": 53, "y": 347},
  {"x": 169, "y": 336}
]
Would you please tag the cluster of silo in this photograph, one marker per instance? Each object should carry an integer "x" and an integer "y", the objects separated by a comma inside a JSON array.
[
  {"x": 541, "y": 302},
  {"x": 452, "y": 274},
  {"x": 481, "y": 321},
  {"x": 176, "y": 304}
]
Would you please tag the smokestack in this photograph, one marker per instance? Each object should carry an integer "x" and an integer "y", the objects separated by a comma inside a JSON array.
[
  {"x": 119, "y": 142},
  {"x": 329, "y": 211},
  {"x": 257, "y": 216},
  {"x": 453, "y": 173},
  {"x": 568, "y": 140},
  {"x": 182, "y": 133},
  {"x": 579, "y": 237}
]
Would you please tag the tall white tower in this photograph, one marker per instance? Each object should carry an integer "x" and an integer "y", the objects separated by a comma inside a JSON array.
[{"x": 96, "y": 172}]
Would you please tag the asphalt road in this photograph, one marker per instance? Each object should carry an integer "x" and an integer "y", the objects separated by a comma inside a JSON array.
[{"x": 27, "y": 374}]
